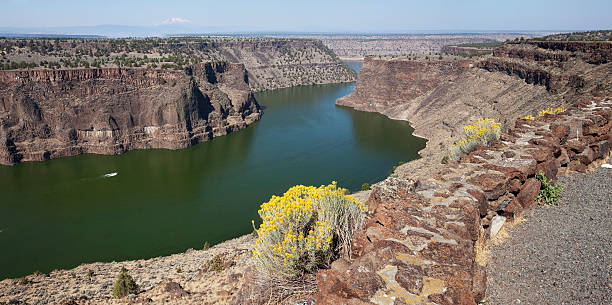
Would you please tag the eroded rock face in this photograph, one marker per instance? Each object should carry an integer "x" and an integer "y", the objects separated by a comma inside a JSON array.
[
  {"x": 46, "y": 114},
  {"x": 383, "y": 83},
  {"x": 440, "y": 97}
]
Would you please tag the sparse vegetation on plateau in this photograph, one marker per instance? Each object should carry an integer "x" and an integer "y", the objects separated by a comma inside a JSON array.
[{"x": 304, "y": 229}]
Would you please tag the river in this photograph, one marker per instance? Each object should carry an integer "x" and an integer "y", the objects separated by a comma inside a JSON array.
[{"x": 61, "y": 213}]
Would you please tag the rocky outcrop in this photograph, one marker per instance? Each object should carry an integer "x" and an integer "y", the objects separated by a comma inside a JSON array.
[
  {"x": 384, "y": 83},
  {"x": 274, "y": 64},
  {"x": 531, "y": 75},
  {"x": 46, "y": 114},
  {"x": 593, "y": 52},
  {"x": 532, "y": 53},
  {"x": 418, "y": 246},
  {"x": 456, "y": 50}
]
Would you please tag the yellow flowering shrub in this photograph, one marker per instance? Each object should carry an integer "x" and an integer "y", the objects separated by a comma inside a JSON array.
[
  {"x": 551, "y": 110},
  {"x": 304, "y": 228},
  {"x": 483, "y": 132},
  {"x": 546, "y": 111}
]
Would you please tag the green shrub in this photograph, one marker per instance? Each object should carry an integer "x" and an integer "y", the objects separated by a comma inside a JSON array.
[
  {"x": 90, "y": 273},
  {"x": 549, "y": 193},
  {"x": 23, "y": 281},
  {"x": 216, "y": 264},
  {"x": 124, "y": 284},
  {"x": 206, "y": 246},
  {"x": 396, "y": 166},
  {"x": 365, "y": 186},
  {"x": 303, "y": 229}
]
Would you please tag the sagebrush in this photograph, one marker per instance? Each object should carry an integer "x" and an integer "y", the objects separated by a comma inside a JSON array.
[
  {"x": 483, "y": 132},
  {"x": 303, "y": 229}
]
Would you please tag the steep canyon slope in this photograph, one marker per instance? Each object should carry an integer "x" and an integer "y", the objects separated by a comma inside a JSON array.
[
  {"x": 67, "y": 97},
  {"x": 270, "y": 63},
  {"x": 47, "y": 114},
  {"x": 439, "y": 97}
]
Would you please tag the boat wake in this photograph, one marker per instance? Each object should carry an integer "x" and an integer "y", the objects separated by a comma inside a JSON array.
[{"x": 110, "y": 175}]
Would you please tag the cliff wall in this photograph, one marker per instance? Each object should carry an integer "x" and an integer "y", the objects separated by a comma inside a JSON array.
[
  {"x": 464, "y": 50},
  {"x": 46, "y": 114},
  {"x": 517, "y": 80},
  {"x": 383, "y": 84},
  {"x": 274, "y": 64}
]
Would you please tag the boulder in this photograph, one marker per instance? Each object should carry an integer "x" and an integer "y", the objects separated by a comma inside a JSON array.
[
  {"x": 529, "y": 192},
  {"x": 493, "y": 185},
  {"x": 577, "y": 166},
  {"x": 496, "y": 224}
]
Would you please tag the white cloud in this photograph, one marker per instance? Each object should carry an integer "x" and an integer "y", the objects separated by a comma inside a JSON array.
[{"x": 175, "y": 20}]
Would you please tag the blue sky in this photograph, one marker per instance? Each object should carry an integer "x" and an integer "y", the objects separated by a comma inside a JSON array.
[{"x": 315, "y": 15}]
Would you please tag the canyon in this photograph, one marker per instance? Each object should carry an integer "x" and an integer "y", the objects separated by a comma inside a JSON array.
[
  {"x": 48, "y": 114},
  {"x": 203, "y": 89},
  {"x": 428, "y": 219}
]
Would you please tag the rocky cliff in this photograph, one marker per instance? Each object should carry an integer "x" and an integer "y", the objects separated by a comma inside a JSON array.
[
  {"x": 440, "y": 97},
  {"x": 270, "y": 63},
  {"x": 274, "y": 64},
  {"x": 458, "y": 50},
  {"x": 46, "y": 114}
]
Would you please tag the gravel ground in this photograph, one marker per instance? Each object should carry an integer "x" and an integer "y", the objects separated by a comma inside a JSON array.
[{"x": 561, "y": 254}]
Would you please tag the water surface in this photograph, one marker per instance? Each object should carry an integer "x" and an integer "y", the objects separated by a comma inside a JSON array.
[{"x": 64, "y": 212}]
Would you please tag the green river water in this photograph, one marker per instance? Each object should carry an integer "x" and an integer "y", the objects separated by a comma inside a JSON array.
[{"x": 65, "y": 212}]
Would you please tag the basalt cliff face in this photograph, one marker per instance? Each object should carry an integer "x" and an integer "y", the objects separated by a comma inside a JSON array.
[
  {"x": 440, "y": 97},
  {"x": 46, "y": 114},
  {"x": 274, "y": 64}
]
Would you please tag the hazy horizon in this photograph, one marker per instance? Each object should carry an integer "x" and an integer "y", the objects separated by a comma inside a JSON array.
[{"x": 155, "y": 17}]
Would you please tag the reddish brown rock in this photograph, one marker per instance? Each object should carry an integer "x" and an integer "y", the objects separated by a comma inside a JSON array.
[
  {"x": 577, "y": 166},
  {"x": 493, "y": 185},
  {"x": 575, "y": 146},
  {"x": 542, "y": 154},
  {"x": 529, "y": 192},
  {"x": 587, "y": 156},
  {"x": 514, "y": 207},
  {"x": 563, "y": 158},
  {"x": 481, "y": 201},
  {"x": 479, "y": 283},
  {"x": 549, "y": 168},
  {"x": 514, "y": 185}
]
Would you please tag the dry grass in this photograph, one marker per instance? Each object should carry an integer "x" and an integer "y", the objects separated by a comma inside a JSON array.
[
  {"x": 482, "y": 247},
  {"x": 287, "y": 291}
]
